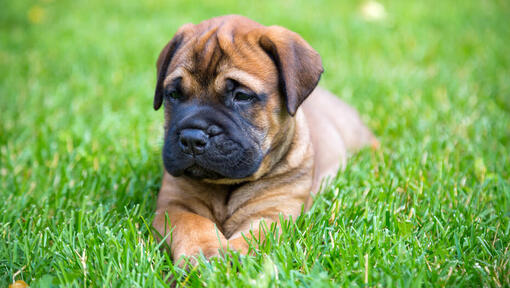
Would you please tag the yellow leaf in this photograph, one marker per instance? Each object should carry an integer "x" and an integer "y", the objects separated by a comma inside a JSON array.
[
  {"x": 18, "y": 284},
  {"x": 36, "y": 14}
]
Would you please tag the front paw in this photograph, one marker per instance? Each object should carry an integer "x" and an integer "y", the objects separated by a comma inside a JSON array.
[{"x": 190, "y": 255}]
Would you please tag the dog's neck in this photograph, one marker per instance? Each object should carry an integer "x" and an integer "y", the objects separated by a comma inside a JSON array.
[{"x": 293, "y": 152}]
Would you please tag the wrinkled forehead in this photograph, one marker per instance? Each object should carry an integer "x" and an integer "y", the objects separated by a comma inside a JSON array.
[{"x": 206, "y": 60}]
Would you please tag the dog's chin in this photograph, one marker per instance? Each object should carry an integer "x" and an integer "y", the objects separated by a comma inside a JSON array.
[{"x": 197, "y": 172}]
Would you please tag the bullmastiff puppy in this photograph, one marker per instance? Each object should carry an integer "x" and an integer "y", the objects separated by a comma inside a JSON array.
[{"x": 241, "y": 144}]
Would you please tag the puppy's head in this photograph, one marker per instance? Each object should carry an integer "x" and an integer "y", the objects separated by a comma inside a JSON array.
[{"x": 230, "y": 88}]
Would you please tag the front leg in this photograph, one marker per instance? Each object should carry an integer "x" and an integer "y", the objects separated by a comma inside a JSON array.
[
  {"x": 184, "y": 209},
  {"x": 192, "y": 234}
]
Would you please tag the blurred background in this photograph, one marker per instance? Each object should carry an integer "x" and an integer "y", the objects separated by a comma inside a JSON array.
[
  {"x": 80, "y": 142},
  {"x": 79, "y": 66}
]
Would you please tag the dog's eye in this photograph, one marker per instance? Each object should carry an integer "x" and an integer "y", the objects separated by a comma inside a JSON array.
[
  {"x": 173, "y": 94},
  {"x": 240, "y": 96}
]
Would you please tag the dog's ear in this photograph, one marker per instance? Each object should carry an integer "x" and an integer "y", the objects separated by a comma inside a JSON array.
[
  {"x": 299, "y": 65},
  {"x": 164, "y": 59}
]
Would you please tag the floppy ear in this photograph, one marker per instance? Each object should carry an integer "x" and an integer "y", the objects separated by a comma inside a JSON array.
[
  {"x": 299, "y": 65},
  {"x": 164, "y": 59}
]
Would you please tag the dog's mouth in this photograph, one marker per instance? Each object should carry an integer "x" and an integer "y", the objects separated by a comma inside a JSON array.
[
  {"x": 197, "y": 172},
  {"x": 223, "y": 158}
]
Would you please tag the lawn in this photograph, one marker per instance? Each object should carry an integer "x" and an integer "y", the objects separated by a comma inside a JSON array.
[{"x": 80, "y": 144}]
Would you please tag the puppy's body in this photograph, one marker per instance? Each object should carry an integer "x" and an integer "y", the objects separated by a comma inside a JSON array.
[
  {"x": 335, "y": 131},
  {"x": 237, "y": 148}
]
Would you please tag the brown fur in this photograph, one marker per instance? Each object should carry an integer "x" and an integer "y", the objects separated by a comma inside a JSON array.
[{"x": 303, "y": 143}]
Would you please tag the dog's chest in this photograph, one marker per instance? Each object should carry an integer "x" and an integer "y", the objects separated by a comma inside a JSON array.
[{"x": 229, "y": 203}]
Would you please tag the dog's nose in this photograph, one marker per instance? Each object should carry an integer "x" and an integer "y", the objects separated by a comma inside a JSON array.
[{"x": 193, "y": 141}]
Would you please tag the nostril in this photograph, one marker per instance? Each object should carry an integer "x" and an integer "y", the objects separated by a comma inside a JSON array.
[{"x": 200, "y": 143}]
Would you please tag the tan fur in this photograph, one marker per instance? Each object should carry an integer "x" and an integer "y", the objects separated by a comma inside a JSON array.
[{"x": 210, "y": 215}]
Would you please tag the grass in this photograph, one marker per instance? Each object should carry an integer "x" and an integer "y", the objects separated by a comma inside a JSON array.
[{"x": 80, "y": 146}]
